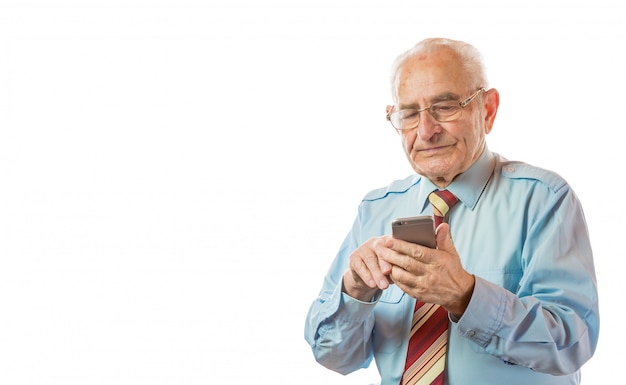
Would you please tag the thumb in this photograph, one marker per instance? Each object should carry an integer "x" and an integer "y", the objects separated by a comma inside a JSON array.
[{"x": 444, "y": 238}]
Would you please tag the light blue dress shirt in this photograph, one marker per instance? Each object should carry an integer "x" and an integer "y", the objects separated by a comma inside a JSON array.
[{"x": 533, "y": 316}]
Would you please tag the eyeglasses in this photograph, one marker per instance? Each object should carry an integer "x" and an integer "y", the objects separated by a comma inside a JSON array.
[{"x": 446, "y": 111}]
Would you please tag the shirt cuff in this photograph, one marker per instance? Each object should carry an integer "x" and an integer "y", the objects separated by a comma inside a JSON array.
[
  {"x": 484, "y": 314},
  {"x": 354, "y": 308}
]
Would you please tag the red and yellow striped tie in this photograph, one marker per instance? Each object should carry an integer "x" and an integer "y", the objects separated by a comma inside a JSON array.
[{"x": 426, "y": 355}]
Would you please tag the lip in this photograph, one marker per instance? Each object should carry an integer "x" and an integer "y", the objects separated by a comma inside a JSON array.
[{"x": 432, "y": 150}]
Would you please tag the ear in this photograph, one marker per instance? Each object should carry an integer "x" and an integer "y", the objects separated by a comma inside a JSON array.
[{"x": 491, "y": 101}]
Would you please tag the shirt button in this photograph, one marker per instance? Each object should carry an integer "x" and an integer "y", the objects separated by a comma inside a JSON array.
[
  {"x": 510, "y": 168},
  {"x": 471, "y": 333}
]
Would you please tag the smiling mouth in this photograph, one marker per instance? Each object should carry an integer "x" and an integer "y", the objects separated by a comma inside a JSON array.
[{"x": 433, "y": 149}]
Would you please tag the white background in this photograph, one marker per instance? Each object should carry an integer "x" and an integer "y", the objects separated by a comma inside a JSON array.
[{"x": 176, "y": 176}]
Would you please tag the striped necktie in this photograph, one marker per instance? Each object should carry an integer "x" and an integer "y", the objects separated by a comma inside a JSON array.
[{"x": 426, "y": 355}]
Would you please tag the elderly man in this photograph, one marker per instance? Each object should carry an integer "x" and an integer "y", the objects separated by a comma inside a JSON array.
[{"x": 508, "y": 295}]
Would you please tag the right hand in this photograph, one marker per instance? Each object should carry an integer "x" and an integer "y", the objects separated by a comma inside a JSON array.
[{"x": 367, "y": 272}]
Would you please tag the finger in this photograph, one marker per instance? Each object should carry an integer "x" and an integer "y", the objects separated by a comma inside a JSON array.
[
  {"x": 360, "y": 273},
  {"x": 379, "y": 248},
  {"x": 385, "y": 267},
  {"x": 371, "y": 268},
  {"x": 444, "y": 238},
  {"x": 379, "y": 272},
  {"x": 403, "y": 248}
]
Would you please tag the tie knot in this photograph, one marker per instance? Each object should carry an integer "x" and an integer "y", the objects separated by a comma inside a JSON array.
[{"x": 442, "y": 201}]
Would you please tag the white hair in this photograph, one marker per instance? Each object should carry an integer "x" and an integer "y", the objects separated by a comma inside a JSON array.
[{"x": 470, "y": 59}]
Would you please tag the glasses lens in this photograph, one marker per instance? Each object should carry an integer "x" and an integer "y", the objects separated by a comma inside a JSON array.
[
  {"x": 442, "y": 112},
  {"x": 405, "y": 119},
  {"x": 445, "y": 111}
]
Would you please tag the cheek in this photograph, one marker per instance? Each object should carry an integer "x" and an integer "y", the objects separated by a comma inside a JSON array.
[
  {"x": 468, "y": 137},
  {"x": 474, "y": 139},
  {"x": 407, "y": 141}
]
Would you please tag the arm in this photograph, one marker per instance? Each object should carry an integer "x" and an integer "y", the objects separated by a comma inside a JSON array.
[
  {"x": 550, "y": 323},
  {"x": 338, "y": 329},
  {"x": 340, "y": 321}
]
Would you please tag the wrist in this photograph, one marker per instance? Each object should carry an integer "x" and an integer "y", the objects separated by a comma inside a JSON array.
[
  {"x": 461, "y": 305},
  {"x": 358, "y": 290}
]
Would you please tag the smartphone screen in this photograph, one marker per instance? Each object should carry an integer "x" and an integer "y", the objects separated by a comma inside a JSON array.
[{"x": 419, "y": 229}]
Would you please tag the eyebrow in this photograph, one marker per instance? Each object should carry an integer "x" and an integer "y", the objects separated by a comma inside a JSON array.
[{"x": 446, "y": 96}]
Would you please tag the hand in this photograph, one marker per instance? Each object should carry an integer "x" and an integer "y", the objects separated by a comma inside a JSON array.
[
  {"x": 430, "y": 275},
  {"x": 367, "y": 272}
]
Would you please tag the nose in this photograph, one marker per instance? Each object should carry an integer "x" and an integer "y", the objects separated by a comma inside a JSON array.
[{"x": 427, "y": 127}]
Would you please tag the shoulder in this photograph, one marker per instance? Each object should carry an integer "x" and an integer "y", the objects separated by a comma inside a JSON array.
[
  {"x": 395, "y": 188},
  {"x": 520, "y": 171}
]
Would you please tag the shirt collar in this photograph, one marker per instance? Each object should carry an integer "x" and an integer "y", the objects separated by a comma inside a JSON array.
[{"x": 468, "y": 186}]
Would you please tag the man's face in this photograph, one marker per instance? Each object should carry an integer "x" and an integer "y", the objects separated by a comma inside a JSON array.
[{"x": 436, "y": 150}]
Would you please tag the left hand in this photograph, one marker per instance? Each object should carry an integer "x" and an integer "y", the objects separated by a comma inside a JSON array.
[{"x": 430, "y": 275}]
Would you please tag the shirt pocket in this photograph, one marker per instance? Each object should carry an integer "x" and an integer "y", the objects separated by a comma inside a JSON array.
[{"x": 392, "y": 321}]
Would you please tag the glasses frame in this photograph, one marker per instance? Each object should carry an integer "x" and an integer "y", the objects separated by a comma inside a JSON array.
[{"x": 462, "y": 104}]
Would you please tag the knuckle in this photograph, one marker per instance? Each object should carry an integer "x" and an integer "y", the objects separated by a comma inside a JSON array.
[{"x": 417, "y": 253}]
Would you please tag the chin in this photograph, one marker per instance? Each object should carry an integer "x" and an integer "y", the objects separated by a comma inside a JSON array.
[{"x": 434, "y": 167}]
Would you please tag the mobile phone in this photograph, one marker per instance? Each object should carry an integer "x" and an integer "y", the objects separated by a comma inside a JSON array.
[{"x": 419, "y": 229}]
